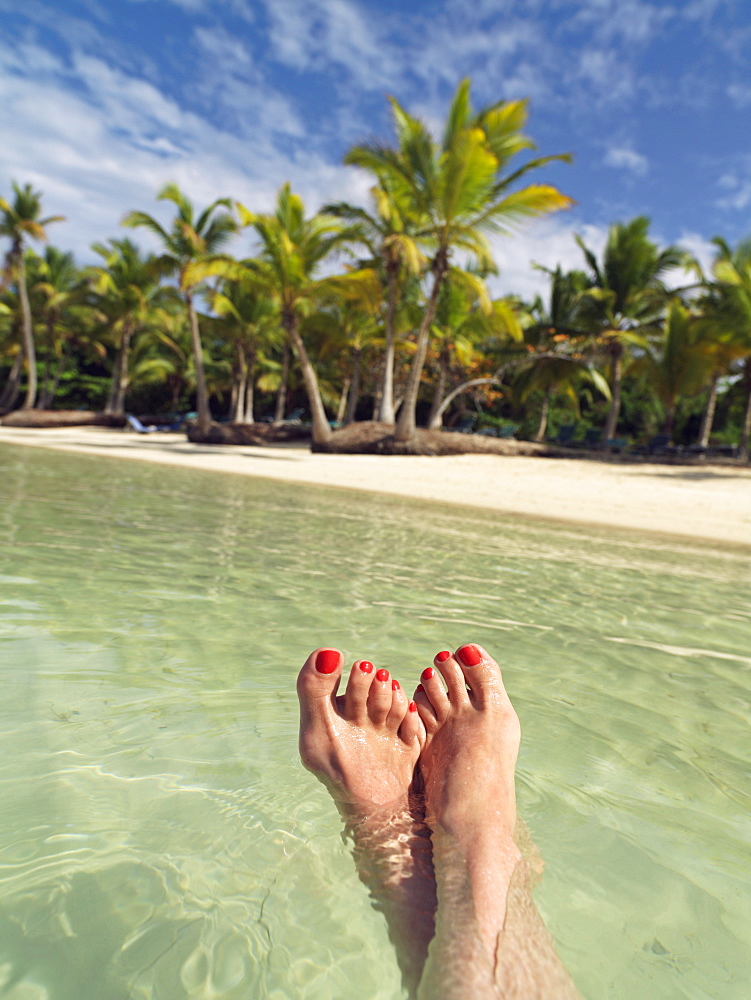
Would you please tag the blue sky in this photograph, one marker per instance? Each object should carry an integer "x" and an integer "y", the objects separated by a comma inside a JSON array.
[{"x": 103, "y": 101}]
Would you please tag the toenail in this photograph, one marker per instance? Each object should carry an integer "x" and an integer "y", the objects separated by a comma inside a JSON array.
[
  {"x": 366, "y": 666},
  {"x": 412, "y": 707},
  {"x": 444, "y": 655},
  {"x": 382, "y": 675},
  {"x": 395, "y": 685},
  {"x": 327, "y": 661},
  {"x": 469, "y": 655},
  {"x": 427, "y": 674},
  {"x": 419, "y": 688}
]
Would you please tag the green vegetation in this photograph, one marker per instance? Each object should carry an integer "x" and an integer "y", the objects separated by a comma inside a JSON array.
[{"x": 383, "y": 311}]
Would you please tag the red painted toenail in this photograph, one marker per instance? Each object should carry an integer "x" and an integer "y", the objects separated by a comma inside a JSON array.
[
  {"x": 395, "y": 685},
  {"x": 327, "y": 661},
  {"x": 366, "y": 666},
  {"x": 419, "y": 688},
  {"x": 427, "y": 674},
  {"x": 412, "y": 707},
  {"x": 382, "y": 675},
  {"x": 469, "y": 655},
  {"x": 442, "y": 656}
]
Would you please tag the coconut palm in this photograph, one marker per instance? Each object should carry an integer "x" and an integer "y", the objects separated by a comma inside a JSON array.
[
  {"x": 459, "y": 192},
  {"x": 292, "y": 249},
  {"x": 191, "y": 239},
  {"x": 129, "y": 296},
  {"x": 627, "y": 297},
  {"x": 555, "y": 337},
  {"x": 58, "y": 291},
  {"x": 19, "y": 221},
  {"x": 388, "y": 235},
  {"x": 732, "y": 271},
  {"x": 250, "y": 321}
]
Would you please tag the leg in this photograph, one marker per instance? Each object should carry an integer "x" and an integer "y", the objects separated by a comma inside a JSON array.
[
  {"x": 364, "y": 746},
  {"x": 489, "y": 941}
]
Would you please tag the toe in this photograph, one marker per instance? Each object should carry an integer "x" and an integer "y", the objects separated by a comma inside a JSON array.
[
  {"x": 380, "y": 697},
  {"x": 358, "y": 686},
  {"x": 399, "y": 704},
  {"x": 435, "y": 693},
  {"x": 454, "y": 678},
  {"x": 481, "y": 673},
  {"x": 411, "y": 728},
  {"x": 426, "y": 711},
  {"x": 317, "y": 683}
]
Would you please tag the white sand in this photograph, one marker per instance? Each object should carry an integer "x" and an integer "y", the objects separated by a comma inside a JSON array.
[{"x": 710, "y": 503}]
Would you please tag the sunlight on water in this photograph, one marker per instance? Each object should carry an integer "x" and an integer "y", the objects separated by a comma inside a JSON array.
[{"x": 159, "y": 839}]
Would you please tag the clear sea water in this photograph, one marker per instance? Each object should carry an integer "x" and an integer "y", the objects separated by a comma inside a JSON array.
[{"x": 158, "y": 837}]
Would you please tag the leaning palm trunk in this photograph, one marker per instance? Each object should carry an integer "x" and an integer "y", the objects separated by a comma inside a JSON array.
[
  {"x": 746, "y": 428},
  {"x": 543, "y": 424},
  {"x": 435, "y": 419},
  {"x": 321, "y": 426},
  {"x": 120, "y": 377},
  {"x": 342, "y": 408},
  {"x": 28, "y": 340},
  {"x": 615, "y": 403},
  {"x": 708, "y": 416},
  {"x": 12, "y": 385},
  {"x": 407, "y": 423},
  {"x": 202, "y": 398},
  {"x": 386, "y": 413},
  {"x": 281, "y": 395},
  {"x": 354, "y": 388}
]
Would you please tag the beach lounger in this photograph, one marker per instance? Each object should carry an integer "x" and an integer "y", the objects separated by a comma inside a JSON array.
[
  {"x": 140, "y": 428},
  {"x": 565, "y": 436}
]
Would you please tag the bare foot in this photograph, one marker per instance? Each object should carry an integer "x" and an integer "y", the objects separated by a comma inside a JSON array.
[
  {"x": 363, "y": 744},
  {"x": 467, "y": 765}
]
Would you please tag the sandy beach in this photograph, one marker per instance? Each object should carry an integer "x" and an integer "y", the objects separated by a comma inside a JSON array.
[{"x": 711, "y": 503}]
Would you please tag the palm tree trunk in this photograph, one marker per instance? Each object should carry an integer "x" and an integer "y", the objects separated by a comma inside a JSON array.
[
  {"x": 202, "y": 397},
  {"x": 28, "y": 338},
  {"x": 543, "y": 424},
  {"x": 250, "y": 380},
  {"x": 58, "y": 374},
  {"x": 386, "y": 410},
  {"x": 321, "y": 426},
  {"x": 708, "y": 416},
  {"x": 114, "y": 381},
  {"x": 354, "y": 388},
  {"x": 123, "y": 378},
  {"x": 615, "y": 403},
  {"x": 743, "y": 450},
  {"x": 281, "y": 395},
  {"x": 342, "y": 408},
  {"x": 407, "y": 423},
  {"x": 435, "y": 420},
  {"x": 11, "y": 388},
  {"x": 239, "y": 384},
  {"x": 43, "y": 402}
]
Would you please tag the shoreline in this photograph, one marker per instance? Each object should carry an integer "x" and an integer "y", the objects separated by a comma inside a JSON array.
[{"x": 710, "y": 504}]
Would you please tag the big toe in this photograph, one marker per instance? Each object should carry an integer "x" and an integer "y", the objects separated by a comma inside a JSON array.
[
  {"x": 481, "y": 672},
  {"x": 318, "y": 681}
]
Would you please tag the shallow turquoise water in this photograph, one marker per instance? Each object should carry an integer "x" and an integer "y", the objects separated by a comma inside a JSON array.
[{"x": 159, "y": 838}]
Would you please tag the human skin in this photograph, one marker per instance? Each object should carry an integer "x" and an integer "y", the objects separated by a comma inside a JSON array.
[{"x": 465, "y": 924}]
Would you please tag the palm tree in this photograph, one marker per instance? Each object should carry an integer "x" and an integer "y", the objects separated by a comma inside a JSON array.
[
  {"x": 388, "y": 235},
  {"x": 732, "y": 271},
  {"x": 627, "y": 296},
  {"x": 459, "y": 193},
  {"x": 57, "y": 284},
  {"x": 677, "y": 363},
  {"x": 292, "y": 249},
  {"x": 189, "y": 241},
  {"x": 250, "y": 319},
  {"x": 554, "y": 341},
  {"x": 19, "y": 221},
  {"x": 128, "y": 294}
]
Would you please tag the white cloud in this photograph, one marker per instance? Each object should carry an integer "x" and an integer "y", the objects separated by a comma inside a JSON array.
[
  {"x": 549, "y": 242},
  {"x": 740, "y": 94},
  {"x": 625, "y": 158}
]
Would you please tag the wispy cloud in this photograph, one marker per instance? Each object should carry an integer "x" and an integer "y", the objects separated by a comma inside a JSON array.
[{"x": 626, "y": 158}]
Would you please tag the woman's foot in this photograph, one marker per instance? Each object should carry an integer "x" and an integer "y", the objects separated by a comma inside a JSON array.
[
  {"x": 467, "y": 766},
  {"x": 363, "y": 744}
]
